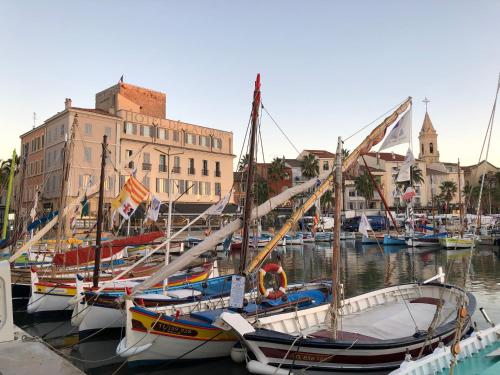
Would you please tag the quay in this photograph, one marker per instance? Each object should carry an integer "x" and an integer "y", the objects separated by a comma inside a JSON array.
[
  {"x": 26, "y": 356},
  {"x": 21, "y": 353}
]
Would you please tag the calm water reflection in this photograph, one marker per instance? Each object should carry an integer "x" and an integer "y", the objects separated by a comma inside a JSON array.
[{"x": 363, "y": 268}]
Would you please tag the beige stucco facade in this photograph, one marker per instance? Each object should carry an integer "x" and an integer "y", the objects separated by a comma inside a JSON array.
[{"x": 201, "y": 157}]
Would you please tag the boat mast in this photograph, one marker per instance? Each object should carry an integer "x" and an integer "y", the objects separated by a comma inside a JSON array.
[
  {"x": 97, "y": 256},
  {"x": 9, "y": 193},
  {"x": 460, "y": 202},
  {"x": 387, "y": 211},
  {"x": 64, "y": 177},
  {"x": 247, "y": 212},
  {"x": 336, "y": 239}
]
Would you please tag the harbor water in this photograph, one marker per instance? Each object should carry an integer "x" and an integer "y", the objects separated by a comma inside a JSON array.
[{"x": 363, "y": 268}]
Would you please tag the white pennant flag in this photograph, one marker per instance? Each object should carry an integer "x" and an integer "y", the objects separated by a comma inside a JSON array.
[
  {"x": 405, "y": 169},
  {"x": 364, "y": 225},
  {"x": 35, "y": 205},
  {"x": 401, "y": 133},
  {"x": 218, "y": 207},
  {"x": 154, "y": 209}
]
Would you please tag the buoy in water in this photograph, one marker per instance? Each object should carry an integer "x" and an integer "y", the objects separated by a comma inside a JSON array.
[{"x": 238, "y": 353}]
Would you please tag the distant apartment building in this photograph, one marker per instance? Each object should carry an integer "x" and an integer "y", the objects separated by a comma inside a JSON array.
[{"x": 134, "y": 120}]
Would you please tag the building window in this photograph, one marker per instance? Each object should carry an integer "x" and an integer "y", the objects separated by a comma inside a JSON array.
[
  {"x": 162, "y": 133},
  {"x": 130, "y": 128},
  {"x": 422, "y": 148},
  {"x": 352, "y": 193},
  {"x": 193, "y": 187},
  {"x": 217, "y": 189},
  {"x": 162, "y": 185},
  {"x": 146, "y": 163},
  {"x": 204, "y": 170},
  {"x": 108, "y": 183},
  {"x": 146, "y": 182},
  {"x": 176, "y": 136},
  {"x": 84, "y": 180},
  {"x": 162, "y": 167},
  {"x": 88, "y": 153},
  {"x": 107, "y": 131},
  {"x": 190, "y": 139},
  {"x": 43, "y": 141},
  {"x": 217, "y": 143},
  {"x": 207, "y": 188},
  {"x": 41, "y": 166},
  {"x": 62, "y": 130},
  {"x": 325, "y": 165},
  {"x": 204, "y": 141},
  {"x": 177, "y": 165},
  {"x": 217, "y": 169},
  {"x": 431, "y": 148},
  {"x": 191, "y": 166},
  {"x": 128, "y": 154},
  {"x": 88, "y": 129}
]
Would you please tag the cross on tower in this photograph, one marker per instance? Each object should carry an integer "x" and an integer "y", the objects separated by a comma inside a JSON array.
[{"x": 426, "y": 101}]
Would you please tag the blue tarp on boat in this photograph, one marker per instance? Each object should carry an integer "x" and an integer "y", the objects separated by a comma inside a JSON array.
[{"x": 42, "y": 220}]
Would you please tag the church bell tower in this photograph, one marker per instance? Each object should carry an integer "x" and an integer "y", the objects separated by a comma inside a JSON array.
[{"x": 428, "y": 140}]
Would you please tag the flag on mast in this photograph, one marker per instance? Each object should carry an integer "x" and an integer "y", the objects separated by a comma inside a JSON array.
[
  {"x": 405, "y": 169},
  {"x": 364, "y": 225},
  {"x": 401, "y": 133},
  {"x": 132, "y": 194},
  {"x": 218, "y": 207},
  {"x": 154, "y": 209}
]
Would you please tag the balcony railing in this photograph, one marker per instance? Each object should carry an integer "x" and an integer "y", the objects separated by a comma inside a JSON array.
[
  {"x": 176, "y": 170},
  {"x": 146, "y": 166},
  {"x": 204, "y": 172},
  {"x": 162, "y": 168},
  {"x": 217, "y": 173},
  {"x": 191, "y": 170}
]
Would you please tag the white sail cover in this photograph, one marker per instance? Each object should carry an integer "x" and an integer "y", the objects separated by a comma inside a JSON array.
[{"x": 211, "y": 241}]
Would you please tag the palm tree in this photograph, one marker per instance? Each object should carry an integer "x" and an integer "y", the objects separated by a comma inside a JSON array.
[
  {"x": 416, "y": 175},
  {"x": 448, "y": 190},
  {"x": 277, "y": 169},
  {"x": 310, "y": 166},
  {"x": 243, "y": 163},
  {"x": 262, "y": 191},
  {"x": 327, "y": 200},
  {"x": 364, "y": 187}
]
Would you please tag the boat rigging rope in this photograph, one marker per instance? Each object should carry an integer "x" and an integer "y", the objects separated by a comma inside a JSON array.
[
  {"x": 371, "y": 123},
  {"x": 281, "y": 130}
]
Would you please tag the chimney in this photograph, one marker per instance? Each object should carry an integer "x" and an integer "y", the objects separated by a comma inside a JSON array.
[{"x": 67, "y": 103}]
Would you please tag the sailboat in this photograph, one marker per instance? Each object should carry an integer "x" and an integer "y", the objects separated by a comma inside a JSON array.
[
  {"x": 370, "y": 332},
  {"x": 187, "y": 331}
]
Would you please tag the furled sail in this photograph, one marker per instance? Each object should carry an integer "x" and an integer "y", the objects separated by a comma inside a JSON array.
[
  {"x": 375, "y": 137},
  {"x": 211, "y": 241}
]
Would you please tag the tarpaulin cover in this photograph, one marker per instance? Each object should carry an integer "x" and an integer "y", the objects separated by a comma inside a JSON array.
[{"x": 84, "y": 255}]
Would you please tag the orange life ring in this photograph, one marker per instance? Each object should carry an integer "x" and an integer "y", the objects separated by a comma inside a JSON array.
[{"x": 273, "y": 268}]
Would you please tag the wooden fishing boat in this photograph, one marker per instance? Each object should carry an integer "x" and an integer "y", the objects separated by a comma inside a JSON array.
[
  {"x": 51, "y": 296},
  {"x": 104, "y": 310},
  {"x": 459, "y": 242},
  {"x": 378, "y": 329},
  {"x": 308, "y": 237},
  {"x": 373, "y": 239},
  {"x": 390, "y": 240},
  {"x": 323, "y": 237},
  {"x": 296, "y": 239},
  {"x": 428, "y": 240},
  {"x": 158, "y": 334}
]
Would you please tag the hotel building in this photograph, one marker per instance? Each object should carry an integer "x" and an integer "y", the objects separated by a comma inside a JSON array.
[{"x": 134, "y": 119}]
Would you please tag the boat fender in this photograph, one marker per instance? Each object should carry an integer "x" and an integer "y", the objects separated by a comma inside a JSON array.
[
  {"x": 463, "y": 313},
  {"x": 238, "y": 354},
  {"x": 177, "y": 314},
  {"x": 420, "y": 333},
  {"x": 273, "y": 268},
  {"x": 455, "y": 349},
  {"x": 256, "y": 367},
  {"x": 245, "y": 302},
  {"x": 125, "y": 352}
]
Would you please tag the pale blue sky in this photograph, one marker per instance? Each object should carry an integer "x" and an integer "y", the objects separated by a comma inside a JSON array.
[{"x": 328, "y": 67}]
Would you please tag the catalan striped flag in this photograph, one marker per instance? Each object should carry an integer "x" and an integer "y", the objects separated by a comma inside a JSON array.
[{"x": 132, "y": 194}]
